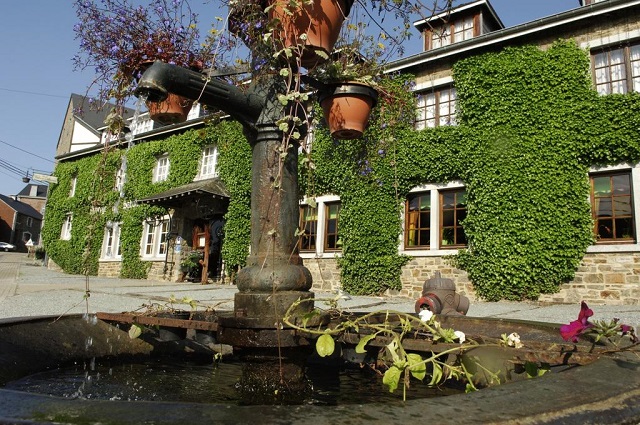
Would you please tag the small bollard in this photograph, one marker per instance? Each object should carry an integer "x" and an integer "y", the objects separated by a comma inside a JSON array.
[{"x": 439, "y": 296}]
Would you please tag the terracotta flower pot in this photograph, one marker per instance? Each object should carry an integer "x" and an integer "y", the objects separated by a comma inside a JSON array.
[
  {"x": 173, "y": 110},
  {"x": 346, "y": 108},
  {"x": 321, "y": 21}
]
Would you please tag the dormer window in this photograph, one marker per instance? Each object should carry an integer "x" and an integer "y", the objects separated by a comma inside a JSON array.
[{"x": 458, "y": 24}]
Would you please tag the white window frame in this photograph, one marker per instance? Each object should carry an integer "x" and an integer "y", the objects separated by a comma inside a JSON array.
[
  {"x": 434, "y": 248},
  {"x": 161, "y": 170},
  {"x": 67, "y": 224},
  {"x": 111, "y": 248},
  {"x": 155, "y": 238},
  {"x": 26, "y": 236},
  {"x": 436, "y": 107},
  {"x": 209, "y": 162},
  {"x": 463, "y": 29},
  {"x": 74, "y": 183},
  {"x": 29, "y": 221},
  {"x": 321, "y": 232},
  {"x": 635, "y": 200},
  {"x": 121, "y": 176}
]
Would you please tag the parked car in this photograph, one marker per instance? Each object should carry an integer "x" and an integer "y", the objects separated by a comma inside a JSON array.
[{"x": 6, "y": 246}]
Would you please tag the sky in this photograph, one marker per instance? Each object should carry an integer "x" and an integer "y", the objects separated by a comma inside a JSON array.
[{"x": 37, "y": 44}]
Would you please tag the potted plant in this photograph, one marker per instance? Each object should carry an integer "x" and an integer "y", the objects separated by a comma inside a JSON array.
[
  {"x": 348, "y": 82},
  {"x": 119, "y": 40}
]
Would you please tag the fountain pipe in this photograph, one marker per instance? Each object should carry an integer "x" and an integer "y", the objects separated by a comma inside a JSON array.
[
  {"x": 161, "y": 78},
  {"x": 274, "y": 277}
]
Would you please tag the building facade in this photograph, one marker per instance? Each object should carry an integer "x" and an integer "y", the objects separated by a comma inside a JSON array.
[
  {"x": 20, "y": 223},
  {"x": 187, "y": 214}
]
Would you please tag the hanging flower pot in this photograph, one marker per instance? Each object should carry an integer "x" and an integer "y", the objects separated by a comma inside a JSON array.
[
  {"x": 173, "y": 109},
  {"x": 346, "y": 108},
  {"x": 320, "y": 20}
]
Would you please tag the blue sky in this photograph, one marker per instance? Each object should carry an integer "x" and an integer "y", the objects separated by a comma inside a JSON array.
[{"x": 37, "y": 77}]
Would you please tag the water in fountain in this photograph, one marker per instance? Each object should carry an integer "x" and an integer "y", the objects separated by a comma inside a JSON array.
[{"x": 167, "y": 379}]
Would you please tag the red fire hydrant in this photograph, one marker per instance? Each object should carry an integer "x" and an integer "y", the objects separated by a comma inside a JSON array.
[{"x": 439, "y": 296}]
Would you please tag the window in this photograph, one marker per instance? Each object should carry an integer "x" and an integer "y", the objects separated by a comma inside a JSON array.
[
  {"x": 611, "y": 207},
  {"x": 26, "y": 237},
  {"x": 308, "y": 224},
  {"x": 111, "y": 244},
  {"x": 161, "y": 170},
  {"x": 441, "y": 36},
  {"x": 209, "y": 162},
  {"x": 418, "y": 221},
  {"x": 617, "y": 70},
  {"x": 453, "y": 32},
  {"x": 74, "y": 182},
  {"x": 66, "y": 227},
  {"x": 331, "y": 238},
  {"x": 121, "y": 175},
  {"x": 453, "y": 210},
  {"x": 155, "y": 238},
  {"x": 436, "y": 108},
  {"x": 29, "y": 221},
  {"x": 463, "y": 30}
]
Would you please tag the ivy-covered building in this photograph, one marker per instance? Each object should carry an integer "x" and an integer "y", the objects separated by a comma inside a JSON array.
[
  {"x": 519, "y": 178},
  {"x": 139, "y": 204},
  {"x": 514, "y": 172}
]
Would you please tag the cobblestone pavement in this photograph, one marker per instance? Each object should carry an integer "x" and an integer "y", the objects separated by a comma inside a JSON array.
[{"x": 27, "y": 288}]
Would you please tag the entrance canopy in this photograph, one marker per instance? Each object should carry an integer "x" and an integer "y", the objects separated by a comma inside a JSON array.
[{"x": 196, "y": 192}]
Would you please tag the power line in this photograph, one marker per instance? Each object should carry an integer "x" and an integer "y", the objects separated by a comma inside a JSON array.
[
  {"x": 37, "y": 156},
  {"x": 7, "y": 166},
  {"x": 34, "y": 93}
]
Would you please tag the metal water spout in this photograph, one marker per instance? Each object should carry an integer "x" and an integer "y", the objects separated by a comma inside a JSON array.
[
  {"x": 161, "y": 78},
  {"x": 274, "y": 277}
]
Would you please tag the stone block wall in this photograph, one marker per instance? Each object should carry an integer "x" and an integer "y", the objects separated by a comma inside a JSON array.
[
  {"x": 109, "y": 268},
  {"x": 603, "y": 278},
  {"x": 325, "y": 274}
]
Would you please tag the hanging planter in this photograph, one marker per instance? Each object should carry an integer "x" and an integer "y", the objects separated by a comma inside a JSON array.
[
  {"x": 347, "y": 107},
  {"x": 320, "y": 20},
  {"x": 174, "y": 109}
]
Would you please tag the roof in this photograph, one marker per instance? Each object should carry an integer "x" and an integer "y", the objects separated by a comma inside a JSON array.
[
  {"x": 21, "y": 207},
  {"x": 95, "y": 119},
  {"x": 179, "y": 195},
  {"x": 40, "y": 193},
  {"x": 528, "y": 32},
  {"x": 450, "y": 14}
]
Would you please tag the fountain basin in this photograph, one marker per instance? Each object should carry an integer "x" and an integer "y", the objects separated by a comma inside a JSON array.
[{"x": 606, "y": 390}]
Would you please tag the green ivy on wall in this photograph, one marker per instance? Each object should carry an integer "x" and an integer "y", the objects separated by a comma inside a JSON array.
[
  {"x": 529, "y": 127},
  {"x": 95, "y": 201}
]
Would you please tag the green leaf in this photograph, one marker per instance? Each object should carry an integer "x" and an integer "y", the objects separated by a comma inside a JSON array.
[
  {"x": 436, "y": 374},
  {"x": 360, "y": 348},
  {"x": 135, "y": 331},
  {"x": 325, "y": 345},
  {"x": 391, "y": 378},
  {"x": 417, "y": 367}
]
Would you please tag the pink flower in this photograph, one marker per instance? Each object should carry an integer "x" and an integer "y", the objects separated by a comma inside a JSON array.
[{"x": 577, "y": 327}]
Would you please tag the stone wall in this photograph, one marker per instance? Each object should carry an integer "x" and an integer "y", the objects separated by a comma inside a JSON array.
[
  {"x": 602, "y": 278},
  {"x": 109, "y": 268}
]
